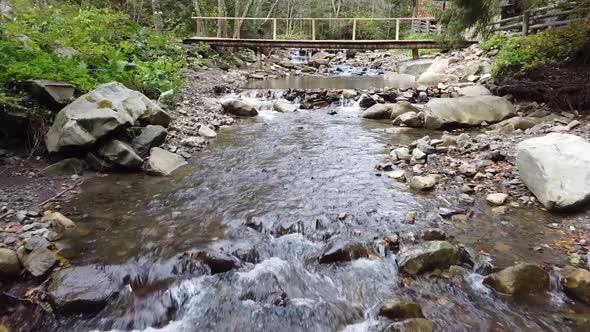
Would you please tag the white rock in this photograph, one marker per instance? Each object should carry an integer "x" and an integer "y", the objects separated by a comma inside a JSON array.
[
  {"x": 497, "y": 198},
  {"x": 205, "y": 131},
  {"x": 556, "y": 169},
  {"x": 162, "y": 162},
  {"x": 423, "y": 182}
]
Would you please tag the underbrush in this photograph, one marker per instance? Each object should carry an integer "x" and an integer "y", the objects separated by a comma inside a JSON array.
[
  {"x": 86, "y": 47},
  {"x": 550, "y": 47}
]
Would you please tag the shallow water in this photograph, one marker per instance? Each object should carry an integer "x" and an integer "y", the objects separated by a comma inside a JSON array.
[{"x": 293, "y": 174}]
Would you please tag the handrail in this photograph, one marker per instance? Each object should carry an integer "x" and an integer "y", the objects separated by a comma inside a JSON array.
[{"x": 317, "y": 18}]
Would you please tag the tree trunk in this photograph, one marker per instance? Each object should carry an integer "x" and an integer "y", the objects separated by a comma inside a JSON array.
[
  {"x": 157, "y": 16},
  {"x": 200, "y": 23},
  {"x": 240, "y": 20},
  {"x": 220, "y": 22},
  {"x": 6, "y": 9}
]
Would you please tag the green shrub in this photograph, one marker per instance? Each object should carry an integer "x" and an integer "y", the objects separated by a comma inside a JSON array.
[
  {"x": 550, "y": 47},
  {"x": 107, "y": 46},
  {"x": 495, "y": 42}
]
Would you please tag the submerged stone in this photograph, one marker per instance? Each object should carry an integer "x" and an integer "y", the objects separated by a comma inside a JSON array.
[
  {"x": 521, "y": 279},
  {"x": 429, "y": 256},
  {"x": 401, "y": 310}
]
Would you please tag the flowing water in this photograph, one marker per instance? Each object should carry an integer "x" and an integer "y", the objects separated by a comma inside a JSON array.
[{"x": 290, "y": 175}]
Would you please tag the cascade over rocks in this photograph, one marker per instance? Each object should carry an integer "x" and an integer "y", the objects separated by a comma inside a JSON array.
[
  {"x": 466, "y": 111},
  {"x": 99, "y": 113},
  {"x": 555, "y": 168}
]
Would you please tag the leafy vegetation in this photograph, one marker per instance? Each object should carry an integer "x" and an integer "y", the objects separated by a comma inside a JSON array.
[
  {"x": 550, "y": 47},
  {"x": 87, "y": 47}
]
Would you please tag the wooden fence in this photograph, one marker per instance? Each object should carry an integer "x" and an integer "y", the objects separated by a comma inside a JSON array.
[{"x": 537, "y": 20}]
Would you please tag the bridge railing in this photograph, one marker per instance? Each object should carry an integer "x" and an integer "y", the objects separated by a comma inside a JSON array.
[{"x": 397, "y": 27}]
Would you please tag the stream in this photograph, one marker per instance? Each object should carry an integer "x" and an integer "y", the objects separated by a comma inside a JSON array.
[{"x": 290, "y": 175}]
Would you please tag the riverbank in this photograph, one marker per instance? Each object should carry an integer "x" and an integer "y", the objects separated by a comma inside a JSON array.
[{"x": 296, "y": 212}]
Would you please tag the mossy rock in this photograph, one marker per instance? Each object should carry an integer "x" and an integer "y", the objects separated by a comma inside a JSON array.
[
  {"x": 428, "y": 257},
  {"x": 576, "y": 283},
  {"x": 401, "y": 310},
  {"x": 521, "y": 279}
]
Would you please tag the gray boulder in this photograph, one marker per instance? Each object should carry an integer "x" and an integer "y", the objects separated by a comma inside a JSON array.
[
  {"x": 99, "y": 113},
  {"x": 429, "y": 256},
  {"x": 162, "y": 162},
  {"x": 400, "y": 81},
  {"x": 414, "y": 67},
  {"x": 402, "y": 107},
  {"x": 432, "y": 79},
  {"x": 378, "y": 112},
  {"x": 320, "y": 58},
  {"x": 555, "y": 168},
  {"x": 84, "y": 289},
  {"x": 39, "y": 261},
  {"x": 521, "y": 279},
  {"x": 121, "y": 154},
  {"x": 68, "y": 166},
  {"x": 239, "y": 108},
  {"x": 9, "y": 264},
  {"x": 51, "y": 94},
  {"x": 474, "y": 91},
  {"x": 409, "y": 119},
  {"x": 466, "y": 111},
  {"x": 146, "y": 138}
]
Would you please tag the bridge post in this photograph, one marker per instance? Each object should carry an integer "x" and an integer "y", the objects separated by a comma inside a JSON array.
[
  {"x": 258, "y": 58},
  {"x": 313, "y": 29},
  {"x": 354, "y": 29},
  {"x": 274, "y": 29},
  {"x": 397, "y": 29},
  {"x": 415, "y": 54}
]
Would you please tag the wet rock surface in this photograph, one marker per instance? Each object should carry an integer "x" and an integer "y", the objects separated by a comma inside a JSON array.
[
  {"x": 429, "y": 256},
  {"x": 521, "y": 279}
]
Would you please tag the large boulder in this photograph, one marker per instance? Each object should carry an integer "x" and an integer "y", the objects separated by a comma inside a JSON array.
[
  {"x": 439, "y": 65},
  {"x": 239, "y": 108},
  {"x": 9, "y": 264},
  {"x": 99, "y": 113},
  {"x": 466, "y": 111},
  {"x": 121, "y": 154},
  {"x": 432, "y": 79},
  {"x": 400, "y": 81},
  {"x": 429, "y": 256},
  {"x": 378, "y": 112},
  {"x": 414, "y": 67},
  {"x": 146, "y": 138},
  {"x": 84, "y": 289},
  {"x": 555, "y": 168},
  {"x": 576, "y": 283},
  {"x": 521, "y": 279},
  {"x": 162, "y": 162}
]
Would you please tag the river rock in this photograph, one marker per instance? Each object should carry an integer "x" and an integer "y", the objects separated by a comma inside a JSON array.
[
  {"x": 284, "y": 106},
  {"x": 121, "y": 154},
  {"x": 402, "y": 107},
  {"x": 517, "y": 122},
  {"x": 412, "y": 325},
  {"x": 320, "y": 59},
  {"x": 146, "y": 138},
  {"x": 162, "y": 162},
  {"x": 555, "y": 168},
  {"x": 415, "y": 67},
  {"x": 217, "y": 262},
  {"x": 496, "y": 198},
  {"x": 84, "y": 289},
  {"x": 401, "y": 310},
  {"x": 205, "y": 131},
  {"x": 286, "y": 63},
  {"x": 367, "y": 101},
  {"x": 432, "y": 80},
  {"x": 474, "y": 91},
  {"x": 239, "y": 108},
  {"x": 68, "y": 166},
  {"x": 39, "y": 261},
  {"x": 104, "y": 110},
  {"x": 341, "y": 251},
  {"x": 519, "y": 279},
  {"x": 423, "y": 182},
  {"x": 349, "y": 94},
  {"x": 51, "y": 94},
  {"x": 409, "y": 119},
  {"x": 439, "y": 65},
  {"x": 378, "y": 111},
  {"x": 576, "y": 283},
  {"x": 429, "y": 256},
  {"x": 35, "y": 242},
  {"x": 400, "y": 81},
  {"x": 466, "y": 111},
  {"x": 9, "y": 263}
]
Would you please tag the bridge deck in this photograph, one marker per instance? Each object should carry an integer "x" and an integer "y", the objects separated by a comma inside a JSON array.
[{"x": 317, "y": 44}]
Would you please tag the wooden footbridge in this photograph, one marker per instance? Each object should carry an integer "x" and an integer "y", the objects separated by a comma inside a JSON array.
[{"x": 268, "y": 37}]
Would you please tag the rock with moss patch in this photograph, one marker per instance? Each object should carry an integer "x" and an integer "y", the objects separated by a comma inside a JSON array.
[
  {"x": 429, "y": 256},
  {"x": 576, "y": 283},
  {"x": 99, "y": 113},
  {"x": 401, "y": 310},
  {"x": 521, "y": 279}
]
